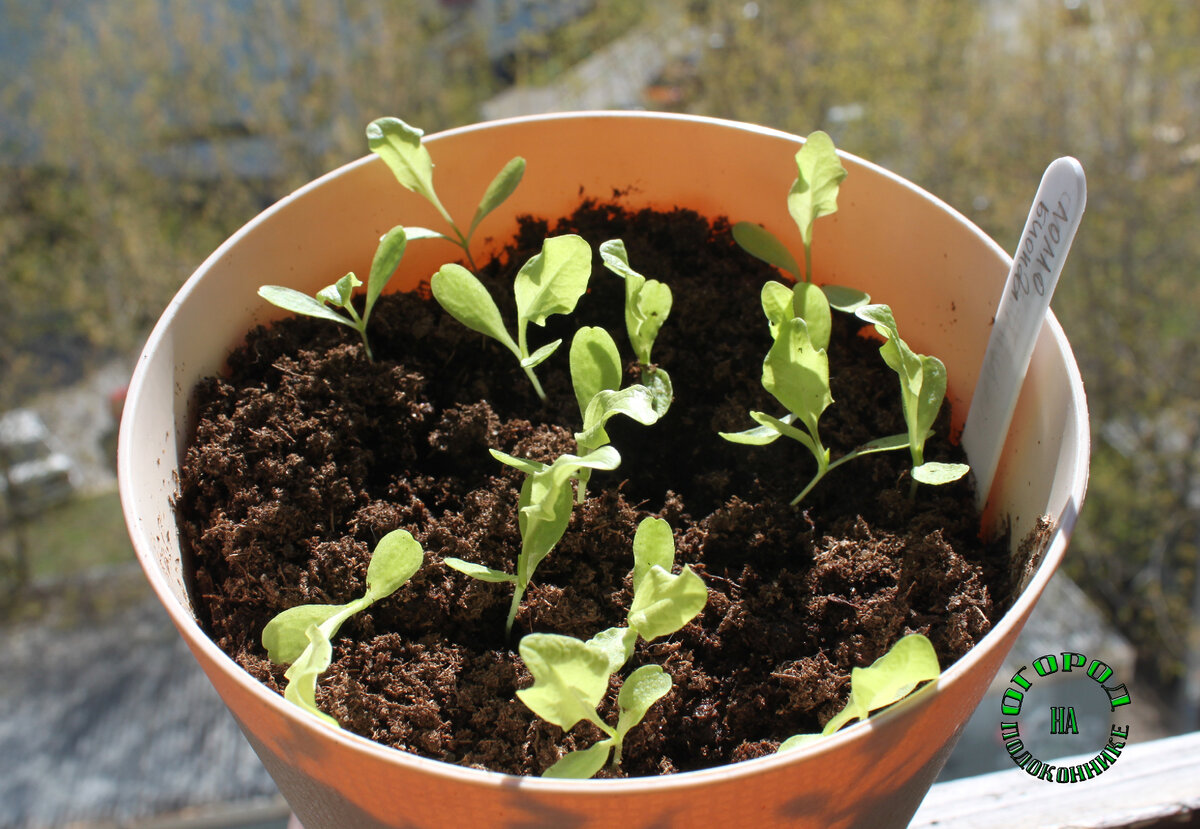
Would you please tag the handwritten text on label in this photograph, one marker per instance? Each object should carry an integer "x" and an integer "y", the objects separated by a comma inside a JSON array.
[{"x": 1040, "y": 247}]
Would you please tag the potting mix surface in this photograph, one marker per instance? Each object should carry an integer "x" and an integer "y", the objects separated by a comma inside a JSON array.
[{"x": 306, "y": 453}]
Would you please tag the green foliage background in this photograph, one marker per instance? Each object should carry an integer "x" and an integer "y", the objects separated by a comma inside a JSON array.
[{"x": 143, "y": 110}]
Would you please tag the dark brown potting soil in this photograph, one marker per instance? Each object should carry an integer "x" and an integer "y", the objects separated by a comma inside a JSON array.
[{"x": 306, "y": 453}]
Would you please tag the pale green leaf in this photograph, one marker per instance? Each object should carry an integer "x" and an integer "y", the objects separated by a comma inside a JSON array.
[
  {"x": 581, "y": 764},
  {"x": 797, "y": 374},
  {"x": 653, "y": 543},
  {"x": 815, "y": 191},
  {"x": 501, "y": 188},
  {"x": 421, "y": 233},
  {"x": 889, "y": 679},
  {"x": 478, "y": 571},
  {"x": 847, "y": 300},
  {"x": 647, "y": 301},
  {"x": 777, "y": 304},
  {"x": 616, "y": 644},
  {"x": 292, "y": 300},
  {"x": 569, "y": 678},
  {"x": 759, "y": 242},
  {"x": 541, "y": 355},
  {"x": 553, "y": 281},
  {"x": 387, "y": 258},
  {"x": 285, "y": 638},
  {"x": 545, "y": 505},
  {"x": 467, "y": 300},
  {"x": 527, "y": 466},
  {"x": 758, "y": 436},
  {"x": 662, "y": 392},
  {"x": 396, "y": 558},
  {"x": 636, "y": 402},
  {"x": 784, "y": 426},
  {"x": 664, "y": 603},
  {"x": 641, "y": 689},
  {"x": 809, "y": 304},
  {"x": 302, "y": 676},
  {"x": 400, "y": 147},
  {"x": 930, "y": 394},
  {"x": 798, "y": 740},
  {"x": 595, "y": 364},
  {"x": 936, "y": 474}
]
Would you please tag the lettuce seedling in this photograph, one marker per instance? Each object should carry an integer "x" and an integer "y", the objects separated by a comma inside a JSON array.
[
  {"x": 302, "y": 635},
  {"x": 570, "y": 679},
  {"x": 571, "y": 676},
  {"x": 401, "y": 148},
  {"x": 922, "y": 389},
  {"x": 596, "y": 378},
  {"x": 663, "y": 602},
  {"x": 551, "y": 282},
  {"x": 338, "y": 295},
  {"x": 814, "y": 193},
  {"x": 889, "y": 679},
  {"x": 544, "y": 509},
  {"x": 796, "y": 373},
  {"x": 647, "y": 306}
]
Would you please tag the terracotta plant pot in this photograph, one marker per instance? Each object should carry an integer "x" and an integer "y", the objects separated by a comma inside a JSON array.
[{"x": 869, "y": 774}]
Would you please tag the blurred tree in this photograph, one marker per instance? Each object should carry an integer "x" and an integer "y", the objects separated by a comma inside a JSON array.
[{"x": 154, "y": 128}]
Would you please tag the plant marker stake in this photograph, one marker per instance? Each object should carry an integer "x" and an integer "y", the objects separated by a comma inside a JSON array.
[{"x": 1041, "y": 253}]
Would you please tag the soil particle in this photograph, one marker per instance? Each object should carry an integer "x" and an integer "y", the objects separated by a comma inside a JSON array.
[{"x": 306, "y": 453}]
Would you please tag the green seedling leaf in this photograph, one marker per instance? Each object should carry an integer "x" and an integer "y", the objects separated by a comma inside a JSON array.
[
  {"x": 936, "y": 474},
  {"x": 420, "y": 233},
  {"x": 339, "y": 293},
  {"x": 302, "y": 676},
  {"x": 764, "y": 434},
  {"x": 581, "y": 764},
  {"x": 784, "y": 426},
  {"x": 285, "y": 636},
  {"x": 777, "y": 305},
  {"x": 653, "y": 544},
  {"x": 387, "y": 258},
  {"x": 922, "y": 390},
  {"x": 527, "y": 466},
  {"x": 396, "y": 558},
  {"x": 595, "y": 365},
  {"x": 664, "y": 603},
  {"x": 553, "y": 281},
  {"x": 647, "y": 301},
  {"x": 478, "y": 571},
  {"x": 616, "y": 644},
  {"x": 847, "y": 300},
  {"x": 797, "y": 374},
  {"x": 498, "y": 191},
  {"x": 761, "y": 243},
  {"x": 641, "y": 689},
  {"x": 467, "y": 300},
  {"x": 400, "y": 147},
  {"x": 303, "y": 635},
  {"x": 569, "y": 679},
  {"x": 809, "y": 304},
  {"x": 541, "y": 355},
  {"x": 889, "y": 679},
  {"x": 292, "y": 300},
  {"x": 815, "y": 191},
  {"x": 662, "y": 391},
  {"x": 636, "y": 402},
  {"x": 544, "y": 508}
]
